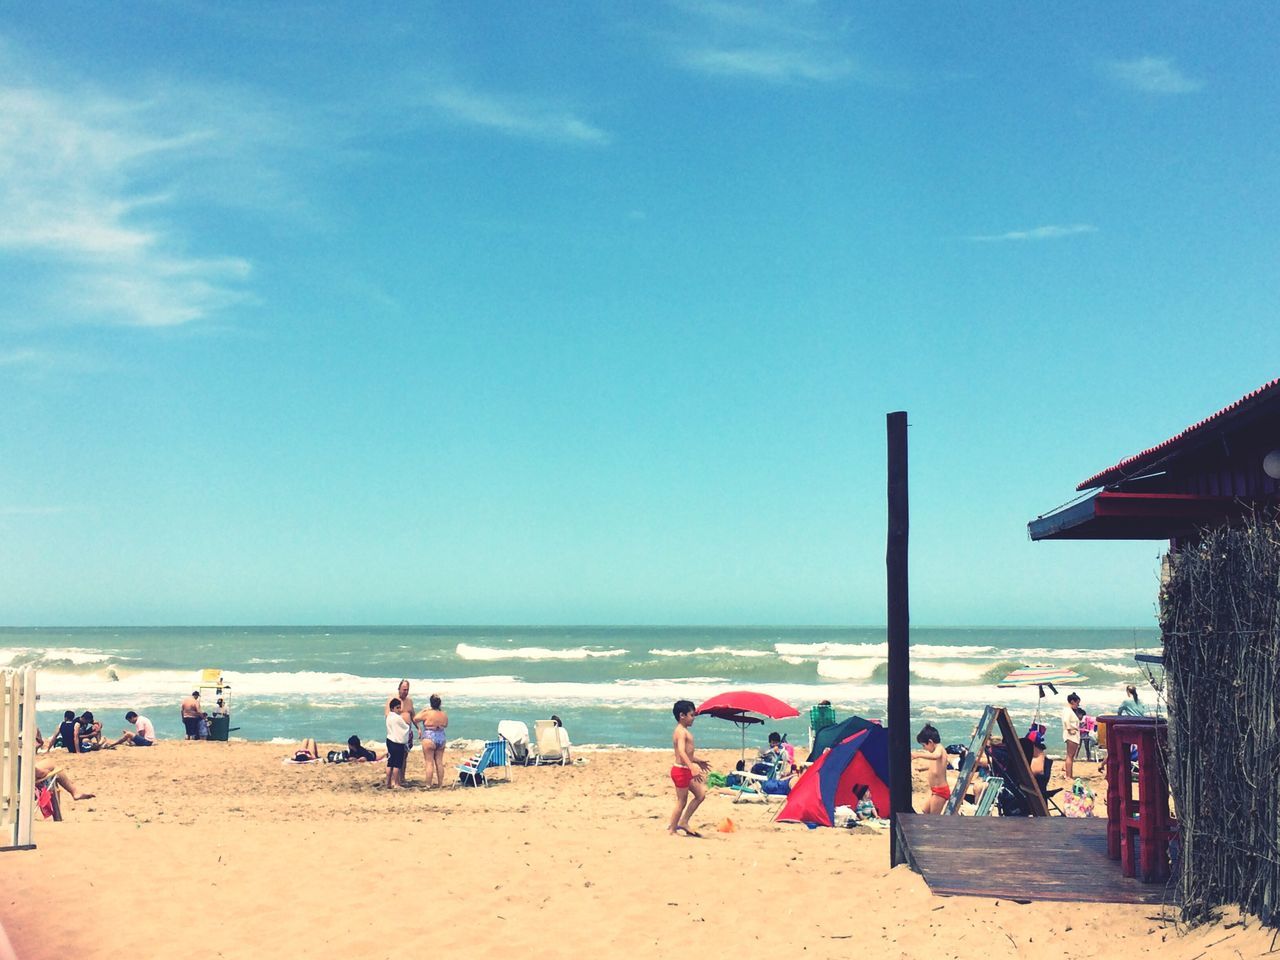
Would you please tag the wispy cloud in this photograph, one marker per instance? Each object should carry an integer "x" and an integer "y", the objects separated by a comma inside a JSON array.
[
  {"x": 772, "y": 64},
  {"x": 1049, "y": 232},
  {"x": 1152, "y": 75},
  {"x": 754, "y": 41},
  {"x": 79, "y": 203},
  {"x": 516, "y": 117}
]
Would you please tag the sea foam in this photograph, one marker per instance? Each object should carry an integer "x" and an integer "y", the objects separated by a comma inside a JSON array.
[{"x": 467, "y": 651}]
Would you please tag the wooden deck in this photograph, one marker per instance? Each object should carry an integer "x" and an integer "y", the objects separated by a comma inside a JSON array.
[{"x": 1020, "y": 858}]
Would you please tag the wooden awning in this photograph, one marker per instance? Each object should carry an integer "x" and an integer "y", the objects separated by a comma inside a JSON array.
[{"x": 1113, "y": 515}]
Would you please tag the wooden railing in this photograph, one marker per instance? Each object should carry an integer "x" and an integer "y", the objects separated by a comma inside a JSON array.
[{"x": 17, "y": 758}]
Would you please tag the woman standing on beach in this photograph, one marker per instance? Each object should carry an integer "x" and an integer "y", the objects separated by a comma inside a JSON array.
[{"x": 434, "y": 722}]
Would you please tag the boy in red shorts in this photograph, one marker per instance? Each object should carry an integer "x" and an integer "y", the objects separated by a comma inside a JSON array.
[
  {"x": 936, "y": 772},
  {"x": 688, "y": 772}
]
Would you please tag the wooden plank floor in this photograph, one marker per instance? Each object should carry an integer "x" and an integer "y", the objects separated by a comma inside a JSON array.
[{"x": 1021, "y": 858}]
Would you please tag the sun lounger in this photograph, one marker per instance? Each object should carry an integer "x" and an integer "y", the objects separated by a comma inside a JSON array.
[
  {"x": 548, "y": 747},
  {"x": 516, "y": 734},
  {"x": 751, "y": 786}
]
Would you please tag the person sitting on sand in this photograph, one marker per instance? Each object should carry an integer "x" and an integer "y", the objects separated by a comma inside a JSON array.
[
  {"x": 936, "y": 772},
  {"x": 69, "y": 731},
  {"x": 143, "y": 735},
  {"x": 359, "y": 753},
  {"x": 434, "y": 722},
  {"x": 90, "y": 733},
  {"x": 688, "y": 774},
  {"x": 45, "y": 768}
]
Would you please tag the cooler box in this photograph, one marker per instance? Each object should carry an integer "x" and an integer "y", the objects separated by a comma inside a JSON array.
[{"x": 219, "y": 728}]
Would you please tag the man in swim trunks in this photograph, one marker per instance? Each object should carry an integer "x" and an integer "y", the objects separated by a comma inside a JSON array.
[
  {"x": 191, "y": 715},
  {"x": 688, "y": 774},
  {"x": 936, "y": 773}
]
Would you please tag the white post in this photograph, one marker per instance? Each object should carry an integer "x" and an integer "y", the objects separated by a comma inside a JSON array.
[{"x": 17, "y": 758}]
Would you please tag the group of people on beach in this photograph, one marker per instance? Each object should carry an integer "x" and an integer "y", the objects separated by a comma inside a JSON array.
[
  {"x": 194, "y": 720},
  {"x": 1076, "y": 725},
  {"x": 403, "y": 724},
  {"x": 689, "y": 773},
  {"x": 83, "y": 734}
]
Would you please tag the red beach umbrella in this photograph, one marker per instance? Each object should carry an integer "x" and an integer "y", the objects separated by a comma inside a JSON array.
[{"x": 745, "y": 707}]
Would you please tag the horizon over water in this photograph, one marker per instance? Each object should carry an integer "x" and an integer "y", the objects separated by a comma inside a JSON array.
[{"x": 612, "y": 685}]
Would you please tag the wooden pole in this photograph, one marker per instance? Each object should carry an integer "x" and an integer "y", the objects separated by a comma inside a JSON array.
[{"x": 899, "y": 634}]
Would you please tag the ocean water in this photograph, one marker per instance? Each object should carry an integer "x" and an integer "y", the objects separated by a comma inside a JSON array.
[{"x": 610, "y": 685}]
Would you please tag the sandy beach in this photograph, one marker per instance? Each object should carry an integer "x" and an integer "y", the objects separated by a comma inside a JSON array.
[{"x": 222, "y": 849}]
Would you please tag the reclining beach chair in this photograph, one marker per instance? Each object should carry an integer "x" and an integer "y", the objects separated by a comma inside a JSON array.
[
  {"x": 516, "y": 734},
  {"x": 989, "y": 795},
  {"x": 479, "y": 768},
  {"x": 751, "y": 786},
  {"x": 1042, "y": 781},
  {"x": 548, "y": 747}
]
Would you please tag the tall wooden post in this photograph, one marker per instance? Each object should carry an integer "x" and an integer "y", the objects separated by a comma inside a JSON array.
[{"x": 899, "y": 633}]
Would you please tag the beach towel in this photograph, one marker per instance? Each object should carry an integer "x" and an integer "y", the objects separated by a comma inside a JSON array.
[{"x": 299, "y": 763}]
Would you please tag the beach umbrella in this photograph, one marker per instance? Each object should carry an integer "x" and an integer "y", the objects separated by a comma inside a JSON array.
[
  {"x": 745, "y": 707},
  {"x": 1041, "y": 675}
]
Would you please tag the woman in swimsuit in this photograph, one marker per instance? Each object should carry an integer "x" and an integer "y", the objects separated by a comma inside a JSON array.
[{"x": 434, "y": 721}]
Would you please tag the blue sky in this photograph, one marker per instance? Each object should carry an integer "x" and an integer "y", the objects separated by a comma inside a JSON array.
[{"x": 591, "y": 313}]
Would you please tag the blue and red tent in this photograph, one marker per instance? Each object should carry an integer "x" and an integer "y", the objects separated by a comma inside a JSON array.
[{"x": 855, "y": 766}]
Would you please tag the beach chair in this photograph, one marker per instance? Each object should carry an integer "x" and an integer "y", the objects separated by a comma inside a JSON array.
[
  {"x": 478, "y": 769},
  {"x": 548, "y": 747},
  {"x": 47, "y": 796},
  {"x": 989, "y": 795},
  {"x": 516, "y": 734},
  {"x": 750, "y": 786},
  {"x": 1042, "y": 781}
]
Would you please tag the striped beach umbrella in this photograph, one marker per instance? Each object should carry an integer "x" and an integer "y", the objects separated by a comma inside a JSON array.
[{"x": 1041, "y": 675}]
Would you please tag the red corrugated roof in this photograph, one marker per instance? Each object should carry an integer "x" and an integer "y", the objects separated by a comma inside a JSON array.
[{"x": 1139, "y": 461}]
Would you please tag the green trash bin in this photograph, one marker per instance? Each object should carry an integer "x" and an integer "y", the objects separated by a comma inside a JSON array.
[{"x": 219, "y": 728}]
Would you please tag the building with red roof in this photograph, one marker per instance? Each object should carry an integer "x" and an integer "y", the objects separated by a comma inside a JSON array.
[{"x": 1225, "y": 466}]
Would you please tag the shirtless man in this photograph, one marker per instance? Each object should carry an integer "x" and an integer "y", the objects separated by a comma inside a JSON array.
[
  {"x": 688, "y": 774},
  {"x": 936, "y": 773},
  {"x": 405, "y": 710},
  {"x": 191, "y": 715}
]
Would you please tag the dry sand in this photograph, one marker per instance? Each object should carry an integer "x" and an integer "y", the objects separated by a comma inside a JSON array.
[{"x": 220, "y": 850}]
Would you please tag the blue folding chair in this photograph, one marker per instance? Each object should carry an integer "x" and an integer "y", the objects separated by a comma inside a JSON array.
[{"x": 479, "y": 768}]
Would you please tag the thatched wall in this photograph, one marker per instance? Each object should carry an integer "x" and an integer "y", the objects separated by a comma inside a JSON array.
[{"x": 1220, "y": 615}]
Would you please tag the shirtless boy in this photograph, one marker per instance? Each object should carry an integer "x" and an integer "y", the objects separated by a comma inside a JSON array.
[
  {"x": 936, "y": 773},
  {"x": 688, "y": 774}
]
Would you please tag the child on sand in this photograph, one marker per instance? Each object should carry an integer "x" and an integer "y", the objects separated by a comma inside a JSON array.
[
  {"x": 688, "y": 772},
  {"x": 397, "y": 744},
  {"x": 936, "y": 773}
]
